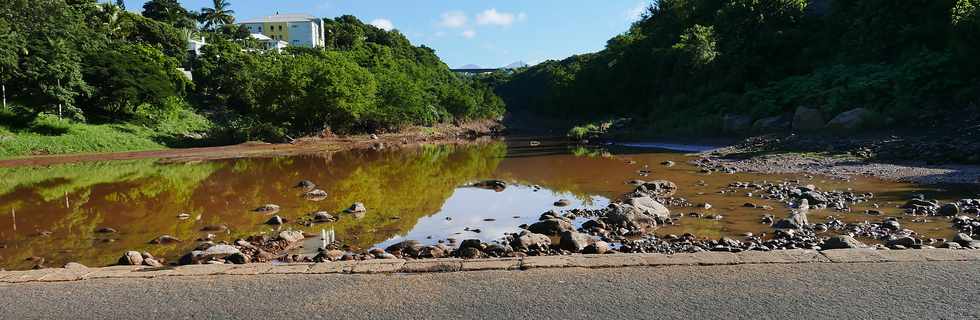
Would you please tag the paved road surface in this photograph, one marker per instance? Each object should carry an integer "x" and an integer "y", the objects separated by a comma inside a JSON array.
[{"x": 931, "y": 290}]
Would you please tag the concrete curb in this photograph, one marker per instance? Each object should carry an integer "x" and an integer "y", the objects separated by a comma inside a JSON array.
[{"x": 526, "y": 263}]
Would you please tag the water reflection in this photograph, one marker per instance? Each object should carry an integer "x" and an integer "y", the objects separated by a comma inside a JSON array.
[{"x": 54, "y": 212}]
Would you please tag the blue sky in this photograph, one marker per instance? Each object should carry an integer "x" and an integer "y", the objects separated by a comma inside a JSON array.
[{"x": 486, "y": 33}]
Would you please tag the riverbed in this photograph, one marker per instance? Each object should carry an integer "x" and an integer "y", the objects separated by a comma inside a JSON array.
[{"x": 91, "y": 212}]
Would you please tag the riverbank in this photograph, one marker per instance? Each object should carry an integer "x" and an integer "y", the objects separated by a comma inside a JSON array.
[
  {"x": 924, "y": 159},
  {"x": 408, "y": 137}
]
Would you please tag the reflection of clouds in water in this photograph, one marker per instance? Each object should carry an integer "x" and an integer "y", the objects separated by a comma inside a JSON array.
[{"x": 468, "y": 207}]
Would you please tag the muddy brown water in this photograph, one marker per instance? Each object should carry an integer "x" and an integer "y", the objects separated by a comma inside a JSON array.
[{"x": 54, "y": 212}]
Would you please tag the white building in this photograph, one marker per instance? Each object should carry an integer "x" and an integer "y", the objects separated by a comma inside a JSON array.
[
  {"x": 269, "y": 43},
  {"x": 300, "y": 30}
]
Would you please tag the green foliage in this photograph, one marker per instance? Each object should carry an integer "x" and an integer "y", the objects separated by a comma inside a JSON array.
[
  {"x": 169, "y": 11},
  {"x": 131, "y": 76},
  {"x": 688, "y": 62},
  {"x": 218, "y": 15}
]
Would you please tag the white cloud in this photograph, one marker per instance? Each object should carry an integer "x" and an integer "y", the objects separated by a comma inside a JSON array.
[
  {"x": 494, "y": 17},
  {"x": 383, "y": 24},
  {"x": 637, "y": 11},
  {"x": 469, "y": 33},
  {"x": 453, "y": 19}
]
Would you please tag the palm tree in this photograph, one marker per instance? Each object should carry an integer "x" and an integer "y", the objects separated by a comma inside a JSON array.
[{"x": 219, "y": 15}]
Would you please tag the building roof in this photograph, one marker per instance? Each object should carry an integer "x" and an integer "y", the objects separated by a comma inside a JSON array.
[
  {"x": 289, "y": 17},
  {"x": 259, "y": 36}
]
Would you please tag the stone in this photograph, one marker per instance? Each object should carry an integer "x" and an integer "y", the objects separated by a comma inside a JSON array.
[
  {"x": 906, "y": 242},
  {"x": 563, "y": 203},
  {"x": 75, "y": 265},
  {"x": 275, "y": 221},
  {"x": 219, "y": 251},
  {"x": 238, "y": 258},
  {"x": 267, "y": 208},
  {"x": 472, "y": 243},
  {"x": 657, "y": 189},
  {"x": 797, "y": 220},
  {"x": 851, "y": 120},
  {"x": 356, "y": 207},
  {"x": 630, "y": 217},
  {"x": 496, "y": 185},
  {"x": 574, "y": 241},
  {"x": 892, "y": 225},
  {"x": 165, "y": 239},
  {"x": 527, "y": 240},
  {"x": 409, "y": 248},
  {"x": 291, "y": 236},
  {"x": 598, "y": 247},
  {"x": 106, "y": 230},
  {"x": 131, "y": 258},
  {"x": 323, "y": 216},
  {"x": 962, "y": 239},
  {"x": 651, "y": 207},
  {"x": 808, "y": 119},
  {"x": 433, "y": 252},
  {"x": 152, "y": 262},
  {"x": 305, "y": 184},
  {"x": 734, "y": 123},
  {"x": 469, "y": 253},
  {"x": 551, "y": 227},
  {"x": 315, "y": 195},
  {"x": 192, "y": 257},
  {"x": 949, "y": 209},
  {"x": 842, "y": 242}
]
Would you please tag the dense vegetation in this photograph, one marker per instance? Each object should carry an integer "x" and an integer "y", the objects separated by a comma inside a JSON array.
[
  {"x": 81, "y": 62},
  {"x": 687, "y": 63}
]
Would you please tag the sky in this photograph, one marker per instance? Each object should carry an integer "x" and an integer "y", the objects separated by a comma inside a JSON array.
[{"x": 485, "y": 33}]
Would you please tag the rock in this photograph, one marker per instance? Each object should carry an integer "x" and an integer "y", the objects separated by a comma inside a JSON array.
[
  {"x": 598, "y": 247},
  {"x": 496, "y": 185},
  {"x": 214, "y": 228},
  {"x": 892, "y": 225},
  {"x": 551, "y": 227},
  {"x": 219, "y": 251},
  {"x": 385, "y": 255},
  {"x": 330, "y": 255},
  {"x": 323, "y": 216},
  {"x": 906, "y": 242},
  {"x": 409, "y": 248},
  {"x": 629, "y": 217},
  {"x": 276, "y": 221},
  {"x": 267, "y": 208},
  {"x": 705, "y": 206},
  {"x": 433, "y": 252},
  {"x": 851, "y": 120},
  {"x": 808, "y": 119},
  {"x": 797, "y": 220},
  {"x": 105, "y": 230},
  {"x": 733, "y": 123},
  {"x": 963, "y": 239},
  {"x": 192, "y": 257},
  {"x": 952, "y": 245},
  {"x": 657, "y": 189},
  {"x": 527, "y": 240},
  {"x": 771, "y": 124},
  {"x": 356, "y": 207},
  {"x": 574, "y": 241},
  {"x": 668, "y": 163},
  {"x": 291, "y": 236},
  {"x": 649, "y": 206},
  {"x": 563, "y": 203},
  {"x": 841, "y": 242},
  {"x": 949, "y": 209},
  {"x": 315, "y": 195},
  {"x": 305, "y": 184},
  {"x": 238, "y": 258},
  {"x": 75, "y": 265},
  {"x": 152, "y": 262},
  {"x": 131, "y": 258},
  {"x": 165, "y": 239},
  {"x": 469, "y": 253}
]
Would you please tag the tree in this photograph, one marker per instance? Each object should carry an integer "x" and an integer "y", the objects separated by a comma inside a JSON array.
[
  {"x": 121, "y": 4},
  {"x": 128, "y": 76},
  {"x": 169, "y": 11},
  {"x": 218, "y": 15}
]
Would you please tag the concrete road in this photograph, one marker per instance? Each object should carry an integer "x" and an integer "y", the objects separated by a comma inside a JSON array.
[{"x": 931, "y": 290}]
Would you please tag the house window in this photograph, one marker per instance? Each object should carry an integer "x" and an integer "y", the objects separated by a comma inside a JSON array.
[
  {"x": 294, "y": 26},
  {"x": 260, "y": 28}
]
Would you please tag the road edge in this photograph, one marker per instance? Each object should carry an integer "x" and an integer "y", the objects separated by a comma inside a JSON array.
[{"x": 796, "y": 256}]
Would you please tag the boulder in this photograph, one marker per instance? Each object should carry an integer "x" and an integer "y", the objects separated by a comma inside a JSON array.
[
  {"x": 356, "y": 207},
  {"x": 410, "y": 248},
  {"x": 496, "y": 185},
  {"x": 469, "y": 253},
  {"x": 275, "y": 221},
  {"x": 238, "y": 258},
  {"x": 438, "y": 251},
  {"x": 192, "y": 257},
  {"x": 306, "y": 184},
  {"x": 131, "y": 258},
  {"x": 267, "y": 208},
  {"x": 551, "y": 227},
  {"x": 796, "y": 220},
  {"x": 851, "y": 120},
  {"x": 291, "y": 236},
  {"x": 315, "y": 195},
  {"x": 771, "y": 124},
  {"x": 527, "y": 240},
  {"x": 649, "y": 206},
  {"x": 323, "y": 216},
  {"x": 906, "y": 242},
  {"x": 657, "y": 189},
  {"x": 808, "y": 120},
  {"x": 734, "y": 123},
  {"x": 842, "y": 242},
  {"x": 574, "y": 241},
  {"x": 562, "y": 203},
  {"x": 598, "y": 247},
  {"x": 219, "y": 251},
  {"x": 963, "y": 239},
  {"x": 949, "y": 209}
]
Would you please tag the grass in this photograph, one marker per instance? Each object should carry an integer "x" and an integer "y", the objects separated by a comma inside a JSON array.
[{"x": 50, "y": 135}]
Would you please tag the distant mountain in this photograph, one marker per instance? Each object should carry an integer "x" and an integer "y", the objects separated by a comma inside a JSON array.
[
  {"x": 471, "y": 66},
  {"x": 515, "y": 65}
]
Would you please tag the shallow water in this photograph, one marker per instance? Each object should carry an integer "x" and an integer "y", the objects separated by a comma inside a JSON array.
[{"x": 53, "y": 212}]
